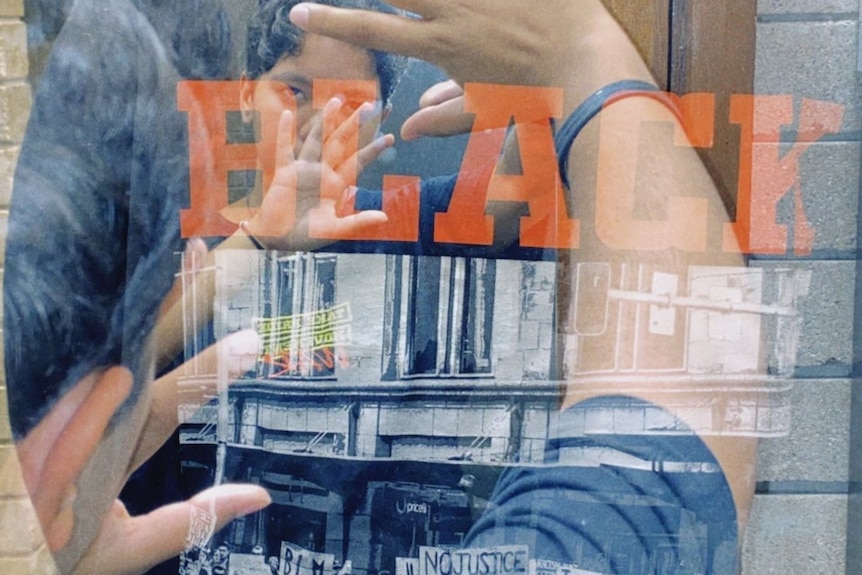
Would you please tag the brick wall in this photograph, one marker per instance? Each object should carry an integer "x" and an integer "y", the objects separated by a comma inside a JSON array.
[
  {"x": 22, "y": 550},
  {"x": 808, "y": 48}
]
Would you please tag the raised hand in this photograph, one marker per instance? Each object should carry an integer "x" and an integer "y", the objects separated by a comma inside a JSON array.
[
  {"x": 321, "y": 172},
  {"x": 509, "y": 42},
  {"x": 54, "y": 454},
  {"x": 441, "y": 113}
]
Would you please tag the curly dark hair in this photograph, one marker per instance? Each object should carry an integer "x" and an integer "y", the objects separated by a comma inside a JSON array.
[{"x": 271, "y": 36}]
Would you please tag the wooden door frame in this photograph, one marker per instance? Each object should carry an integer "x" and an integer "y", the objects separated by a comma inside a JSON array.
[{"x": 709, "y": 48}]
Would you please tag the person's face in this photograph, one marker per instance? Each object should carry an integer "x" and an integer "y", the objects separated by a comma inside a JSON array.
[{"x": 290, "y": 83}]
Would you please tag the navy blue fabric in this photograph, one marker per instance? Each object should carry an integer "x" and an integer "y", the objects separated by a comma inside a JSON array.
[
  {"x": 614, "y": 518},
  {"x": 435, "y": 195},
  {"x": 88, "y": 262}
]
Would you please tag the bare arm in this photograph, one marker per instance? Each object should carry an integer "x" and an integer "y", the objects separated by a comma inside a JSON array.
[{"x": 579, "y": 47}]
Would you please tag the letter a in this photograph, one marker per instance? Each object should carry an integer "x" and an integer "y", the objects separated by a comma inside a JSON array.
[{"x": 539, "y": 185}]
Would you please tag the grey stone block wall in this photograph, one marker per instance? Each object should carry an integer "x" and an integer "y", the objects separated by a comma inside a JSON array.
[
  {"x": 799, "y": 521},
  {"x": 816, "y": 449},
  {"x": 796, "y": 535}
]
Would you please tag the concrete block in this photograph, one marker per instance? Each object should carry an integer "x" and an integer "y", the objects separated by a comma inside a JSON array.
[
  {"x": 546, "y": 336},
  {"x": 368, "y": 418},
  {"x": 317, "y": 419},
  {"x": 469, "y": 423},
  {"x": 809, "y": 60},
  {"x": 38, "y": 563},
  {"x": 535, "y": 423},
  {"x": 11, "y": 481},
  {"x": 599, "y": 420},
  {"x": 629, "y": 419},
  {"x": 533, "y": 451},
  {"x": 530, "y": 335},
  {"x": 11, "y": 8},
  {"x": 796, "y": 535},
  {"x": 659, "y": 419},
  {"x": 365, "y": 445},
  {"x": 5, "y": 430},
  {"x": 297, "y": 419},
  {"x": 13, "y": 49},
  {"x": 806, "y": 6},
  {"x": 826, "y": 317},
  {"x": 817, "y": 446},
  {"x": 538, "y": 304},
  {"x": 406, "y": 421},
  {"x": 537, "y": 364},
  {"x": 15, "y": 105},
  {"x": 496, "y": 422},
  {"x": 829, "y": 177},
  {"x": 8, "y": 160},
  {"x": 446, "y": 421},
  {"x": 20, "y": 533}
]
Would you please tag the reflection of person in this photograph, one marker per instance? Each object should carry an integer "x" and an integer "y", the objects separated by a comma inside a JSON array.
[
  {"x": 93, "y": 230},
  {"x": 281, "y": 66},
  {"x": 551, "y": 33},
  {"x": 583, "y": 50},
  {"x": 93, "y": 225},
  {"x": 537, "y": 507}
]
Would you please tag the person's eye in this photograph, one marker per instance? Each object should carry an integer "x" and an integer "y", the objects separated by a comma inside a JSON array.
[{"x": 299, "y": 94}]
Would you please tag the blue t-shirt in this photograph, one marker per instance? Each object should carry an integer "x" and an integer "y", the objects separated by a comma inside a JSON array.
[{"x": 657, "y": 504}]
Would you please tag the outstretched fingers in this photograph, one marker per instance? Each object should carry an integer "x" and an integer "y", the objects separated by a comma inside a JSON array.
[
  {"x": 341, "y": 133},
  {"x": 326, "y": 224},
  {"x": 284, "y": 142},
  {"x": 370, "y": 152},
  {"x": 277, "y": 213},
  {"x": 303, "y": 203},
  {"x": 134, "y": 544},
  {"x": 444, "y": 119},
  {"x": 312, "y": 145},
  {"x": 375, "y": 30},
  {"x": 57, "y": 450}
]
